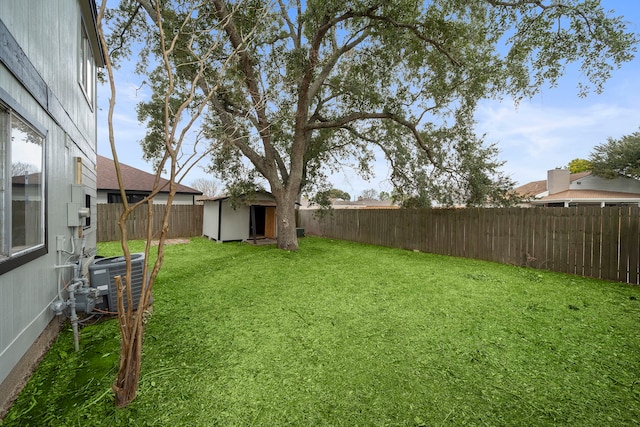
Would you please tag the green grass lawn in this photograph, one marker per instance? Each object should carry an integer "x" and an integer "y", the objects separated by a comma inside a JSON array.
[{"x": 343, "y": 334}]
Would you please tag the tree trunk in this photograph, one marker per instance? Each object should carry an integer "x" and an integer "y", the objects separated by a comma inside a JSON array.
[
  {"x": 286, "y": 219},
  {"x": 131, "y": 332},
  {"x": 126, "y": 385}
]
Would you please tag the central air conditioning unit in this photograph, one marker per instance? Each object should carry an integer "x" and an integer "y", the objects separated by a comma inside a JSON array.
[{"x": 101, "y": 276}]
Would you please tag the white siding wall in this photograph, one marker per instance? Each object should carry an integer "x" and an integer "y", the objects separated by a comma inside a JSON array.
[
  {"x": 210, "y": 219},
  {"x": 624, "y": 185},
  {"x": 179, "y": 199},
  {"x": 161, "y": 199},
  {"x": 48, "y": 32},
  {"x": 235, "y": 223}
]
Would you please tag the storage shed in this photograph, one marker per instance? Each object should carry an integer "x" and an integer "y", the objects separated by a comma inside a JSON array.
[{"x": 252, "y": 216}]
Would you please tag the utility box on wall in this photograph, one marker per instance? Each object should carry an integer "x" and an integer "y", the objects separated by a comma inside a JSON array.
[
  {"x": 102, "y": 275},
  {"x": 77, "y": 209}
]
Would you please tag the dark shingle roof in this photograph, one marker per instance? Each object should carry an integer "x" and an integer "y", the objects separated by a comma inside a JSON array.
[{"x": 134, "y": 179}]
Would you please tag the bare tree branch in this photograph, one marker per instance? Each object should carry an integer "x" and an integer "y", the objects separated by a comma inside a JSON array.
[
  {"x": 387, "y": 116},
  {"x": 419, "y": 34},
  {"x": 251, "y": 79},
  {"x": 331, "y": 63},
  {"x": 544, "y": 8},
  {"x": 295, "y": 35}
]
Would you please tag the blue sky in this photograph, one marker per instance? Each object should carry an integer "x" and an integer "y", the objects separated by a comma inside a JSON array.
[{"x": 539, "y": 134}]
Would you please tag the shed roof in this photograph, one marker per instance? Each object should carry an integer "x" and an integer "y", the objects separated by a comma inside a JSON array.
[
  {"x": 134, "y": 179},
  {"x": 261, "y": 198}
]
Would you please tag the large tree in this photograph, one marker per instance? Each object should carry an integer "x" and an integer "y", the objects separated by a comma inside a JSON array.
[
  {"x": 322, "y": 83},
  {"x": 617, "y": 157}
]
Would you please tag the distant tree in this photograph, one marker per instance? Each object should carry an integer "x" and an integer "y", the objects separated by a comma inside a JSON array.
[
  {"x": 579, "y": 165},
  {"x": 335, "y": 193},
  {"x": 370, "y": 193},
  {"x": 23, "y": 168},
  {"x": 325, "y": 198},
  {"x": 384, "y": 195},
  {"x": 617, "y": 157},
  {"x": 413, "y": 202},
  {"x": 209, "y": 187}
]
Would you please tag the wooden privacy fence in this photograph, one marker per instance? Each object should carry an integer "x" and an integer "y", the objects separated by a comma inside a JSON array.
[
  {"x": 588, "y": 241},
  {"x": 184, "y": 221}
]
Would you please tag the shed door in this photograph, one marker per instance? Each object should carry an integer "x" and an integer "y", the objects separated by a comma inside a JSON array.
[{"x": 270, "y": 222}]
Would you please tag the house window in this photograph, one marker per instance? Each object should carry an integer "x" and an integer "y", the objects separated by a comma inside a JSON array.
[
  {"x": 22, "y": 197},
  {"x": 131, "y": 198},
  {"x": 87, "y": 66}
]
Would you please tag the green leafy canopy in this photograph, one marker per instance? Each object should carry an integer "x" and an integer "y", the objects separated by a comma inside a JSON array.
[
  {"x": 617, "y": 157},
  {"x": 579, "y": 165},
  {"x": 305, "y": 88}
]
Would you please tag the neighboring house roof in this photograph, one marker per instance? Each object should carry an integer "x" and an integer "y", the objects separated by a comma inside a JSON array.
[
  {"x": 583, "y": 187},
  {"x": 588, "y": 195},
  {"x": 534, "y": 188},
  {"x": 134, "y": 179},
  {"x": 363, "y": 203},
  {"x": 355, "y": 204},
  {"x": 31, "y": 179}
]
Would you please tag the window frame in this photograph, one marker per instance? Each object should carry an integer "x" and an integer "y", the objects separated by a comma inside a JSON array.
[
  {"x": 9, "y": 107},
  {"x": 132, "y": 197},
  {"x": 86, "y": 66}
]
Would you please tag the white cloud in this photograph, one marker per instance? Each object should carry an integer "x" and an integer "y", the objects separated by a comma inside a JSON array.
[{"x": 534, "y": 138}]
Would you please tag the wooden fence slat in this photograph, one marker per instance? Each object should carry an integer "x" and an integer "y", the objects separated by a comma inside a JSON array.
[
  {"x": 572, "y": 241},
  {"x": 609, "y": 244},
  {"x": 501, "y": 229},
  {"x": 543, "y": 253},
  {"x": 633, "y": 234},
  {"x": 489, "y": 222},
  {"x": 531, "y": 226},
  {"x": 579, "y": 241},
  {"x": 563, "y": 240},
  {"x": 428, "y": 235},
  {"x": 513, "y": 236},
  {"x": 589, "y": 221},
  {"x": 623, "y": 242},
  {"x": 555, "y": 250},
  {"x": 457, "y": 234},
  {"x": 597, "y": 244},
  {"x": 520, "y": 257}
]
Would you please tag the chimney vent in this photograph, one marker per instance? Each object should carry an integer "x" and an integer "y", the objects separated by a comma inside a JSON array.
[{"x": 557, "y": 180}]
